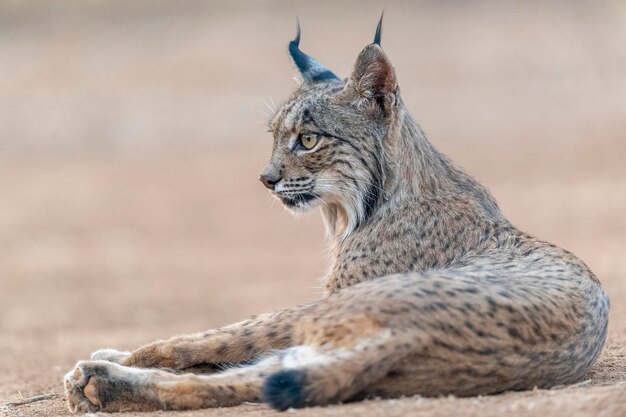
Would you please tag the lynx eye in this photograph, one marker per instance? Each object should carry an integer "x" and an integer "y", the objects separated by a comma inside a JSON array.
[{"x": 308, "y": 141}]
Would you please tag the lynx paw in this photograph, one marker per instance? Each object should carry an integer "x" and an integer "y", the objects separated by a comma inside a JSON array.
[
  {"x": 81, "y": 386},
  {"x": 106, "y": 386},
  {"x": 110, "y": 355}
]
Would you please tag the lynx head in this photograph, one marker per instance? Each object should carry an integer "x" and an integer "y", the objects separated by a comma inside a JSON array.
[{"x": 331, "y": 137}]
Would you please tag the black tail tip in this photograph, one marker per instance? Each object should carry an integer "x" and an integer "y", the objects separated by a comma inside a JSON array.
[{"x": 285, "y": 389}]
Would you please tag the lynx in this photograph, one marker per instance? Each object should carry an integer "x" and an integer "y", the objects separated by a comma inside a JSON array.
[{"x": 431, "y": 290}]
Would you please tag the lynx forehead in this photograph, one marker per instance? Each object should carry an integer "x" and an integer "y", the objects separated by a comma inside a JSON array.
[{"x": 431, "y": 290}]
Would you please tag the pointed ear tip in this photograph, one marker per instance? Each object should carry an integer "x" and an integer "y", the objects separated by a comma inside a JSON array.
[{"x": 374, "y": 47}]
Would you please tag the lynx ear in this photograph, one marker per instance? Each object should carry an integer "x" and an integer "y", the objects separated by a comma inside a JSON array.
[
  {"x": 310, "y": 69},
  {"x": 373, "y": 78}
]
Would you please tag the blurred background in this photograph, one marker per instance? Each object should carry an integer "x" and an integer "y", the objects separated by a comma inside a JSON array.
[{"x": 132, "y": 134}]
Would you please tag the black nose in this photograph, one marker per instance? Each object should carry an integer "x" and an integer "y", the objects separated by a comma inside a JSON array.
[{"x": 269, "y": 180}]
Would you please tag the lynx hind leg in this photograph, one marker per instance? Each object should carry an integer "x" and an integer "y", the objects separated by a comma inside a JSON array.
[
  {"x": 106, "y": 386},
  {"x": 337, "y": 366}
]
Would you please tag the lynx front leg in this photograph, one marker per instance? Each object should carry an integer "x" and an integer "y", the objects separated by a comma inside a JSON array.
[
  {"x": 237, "y": 343},
  {"x": 105, "y": 386}
]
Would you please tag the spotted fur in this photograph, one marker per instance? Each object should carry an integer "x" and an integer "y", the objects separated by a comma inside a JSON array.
[{"x": 431, "y": 290}]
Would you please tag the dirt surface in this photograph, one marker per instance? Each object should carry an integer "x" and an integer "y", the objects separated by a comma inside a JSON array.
[{"x": 131, "y": 148}]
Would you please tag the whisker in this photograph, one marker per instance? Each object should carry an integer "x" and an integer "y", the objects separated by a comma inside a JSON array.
[
  {"x": 264, "y": 113},
  {"x": 272, "y": 111}
]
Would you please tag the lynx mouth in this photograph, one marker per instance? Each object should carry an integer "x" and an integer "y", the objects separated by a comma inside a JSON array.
[{"x": 300, "y": 200}]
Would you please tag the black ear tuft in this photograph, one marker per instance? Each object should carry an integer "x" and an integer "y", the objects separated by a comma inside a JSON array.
[
  {"x": 310, "y": 70},
  {"x": 296, "y": 42},
  {"x": 379, "y": 29}
]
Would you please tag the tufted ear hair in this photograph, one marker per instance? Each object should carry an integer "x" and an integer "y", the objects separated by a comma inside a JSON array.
[
  {"x": 373, "y": 79},
  {"x": 310, "y": 69}
]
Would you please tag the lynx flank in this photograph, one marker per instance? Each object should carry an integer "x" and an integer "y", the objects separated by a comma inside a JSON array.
[{"x": 431, "y": 290}]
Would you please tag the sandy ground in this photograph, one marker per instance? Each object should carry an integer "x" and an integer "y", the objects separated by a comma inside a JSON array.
[{"x": 131, "y": 147}]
